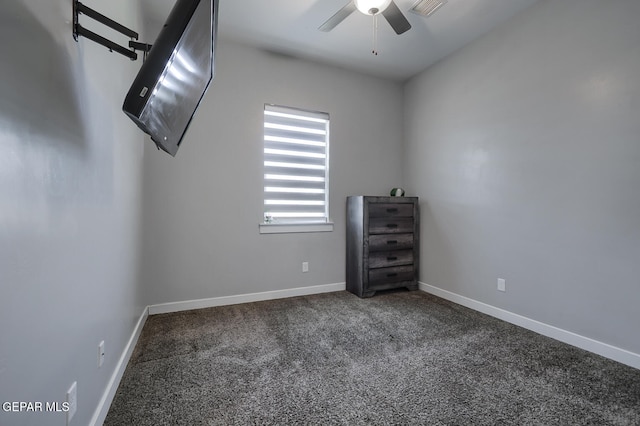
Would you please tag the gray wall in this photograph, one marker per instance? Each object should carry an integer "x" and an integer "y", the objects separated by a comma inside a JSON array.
[
  {"x": 525, "y": 150},
  {"x": 202, "y": 208},
  {"x": 70, "y": 176}
]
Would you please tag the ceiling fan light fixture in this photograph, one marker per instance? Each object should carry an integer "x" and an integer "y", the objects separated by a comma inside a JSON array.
[{"x": 372, "y": 7}]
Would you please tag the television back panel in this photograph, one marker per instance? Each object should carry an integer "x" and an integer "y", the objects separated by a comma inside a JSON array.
[{"x": 177, "y": 73}]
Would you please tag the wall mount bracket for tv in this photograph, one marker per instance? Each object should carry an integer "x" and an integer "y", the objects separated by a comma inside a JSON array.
[{"x": 79, "y": 30}]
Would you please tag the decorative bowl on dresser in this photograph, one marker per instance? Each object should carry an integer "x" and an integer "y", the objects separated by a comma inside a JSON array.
[{"x": 383, "y": 235}]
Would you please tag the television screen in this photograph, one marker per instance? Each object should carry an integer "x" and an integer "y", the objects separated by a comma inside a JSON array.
[{"x": 176, "y": 74}]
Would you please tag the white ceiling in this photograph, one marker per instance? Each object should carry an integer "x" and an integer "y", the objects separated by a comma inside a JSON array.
[{"x": 291, "y": 27}]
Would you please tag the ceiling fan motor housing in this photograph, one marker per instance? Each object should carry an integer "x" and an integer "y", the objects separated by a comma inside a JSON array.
[
  {"x": 372, "y": 7},
  {"x": 387, "y": 8}
]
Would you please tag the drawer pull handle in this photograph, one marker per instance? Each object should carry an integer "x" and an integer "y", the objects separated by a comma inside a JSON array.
[
  {"x": 392, "y": 210},
  {"x": 392, "y": 225},
  {"x": 393, "y": 274},
  {"x": 392, "y": 242},
  {"x": 392, "y": 258}
]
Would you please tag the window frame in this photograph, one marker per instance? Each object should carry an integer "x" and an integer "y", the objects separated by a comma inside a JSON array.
[{"x": 299, "y": 225}]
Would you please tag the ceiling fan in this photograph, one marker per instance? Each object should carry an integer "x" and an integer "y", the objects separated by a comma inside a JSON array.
[{"x": 387, "y": 8}]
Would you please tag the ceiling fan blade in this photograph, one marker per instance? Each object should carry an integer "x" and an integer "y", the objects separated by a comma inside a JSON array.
[
  {"x": 338, "y": 17},
  {"x": 396, "y": 19}
]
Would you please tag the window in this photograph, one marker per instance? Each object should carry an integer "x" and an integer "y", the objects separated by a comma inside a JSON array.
[{"x": 296, "y": 166}]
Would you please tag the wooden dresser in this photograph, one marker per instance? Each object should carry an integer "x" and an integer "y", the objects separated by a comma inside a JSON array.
[{"x": 383, "y": 235}]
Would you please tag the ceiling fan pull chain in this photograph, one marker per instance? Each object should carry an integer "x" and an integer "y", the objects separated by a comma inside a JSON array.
[{"x": 375, "y": 35}]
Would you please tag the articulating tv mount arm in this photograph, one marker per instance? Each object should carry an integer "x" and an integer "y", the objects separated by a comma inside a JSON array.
[{"x": 79, "y": 30}]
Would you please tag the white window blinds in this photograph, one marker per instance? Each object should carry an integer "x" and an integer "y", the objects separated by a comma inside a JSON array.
[{"x": 296, "y": 163}]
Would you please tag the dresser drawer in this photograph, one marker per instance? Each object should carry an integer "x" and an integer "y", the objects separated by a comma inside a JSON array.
[
  {"x": 391, "y": 275},
  {"x": 390, "y": 225},
  {"x": 390, "y": 210},
  {"x": 382, "y": 242},
  {"x": 384, "y": 259}
]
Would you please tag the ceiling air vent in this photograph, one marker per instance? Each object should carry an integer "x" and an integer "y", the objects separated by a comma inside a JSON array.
[{"x": 427, "y": 8}]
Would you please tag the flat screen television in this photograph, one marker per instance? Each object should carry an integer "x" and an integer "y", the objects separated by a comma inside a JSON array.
[{"x": 176, "y": 74}]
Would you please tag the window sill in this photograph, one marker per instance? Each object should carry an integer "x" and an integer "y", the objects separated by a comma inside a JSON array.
[{"x": 288, "y": 228}]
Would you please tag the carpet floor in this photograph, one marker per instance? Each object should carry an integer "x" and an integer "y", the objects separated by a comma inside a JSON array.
[{"x": 334, "y": 359}]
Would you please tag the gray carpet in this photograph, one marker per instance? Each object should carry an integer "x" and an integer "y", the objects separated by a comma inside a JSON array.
[{"x": 397, "y": 358}]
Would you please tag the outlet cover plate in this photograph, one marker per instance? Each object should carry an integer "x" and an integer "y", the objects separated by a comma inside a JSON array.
[
  {"x": 101, "y": 354},
  {"x": 502, "y": 285}
]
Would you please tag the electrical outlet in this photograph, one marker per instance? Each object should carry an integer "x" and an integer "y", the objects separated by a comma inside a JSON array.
[
  {"x": 502, "y": 285},
  {"x": 305, "y": 266},
  {"x": 72, "y": 400},
  {"x": 101, "y": 354}
]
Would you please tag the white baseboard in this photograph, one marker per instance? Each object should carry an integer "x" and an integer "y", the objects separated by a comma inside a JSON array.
[
  {"x": 187, "y": 305},
  {"x": 608, "y": 351},
  {"x": 101, "y": 411}
]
